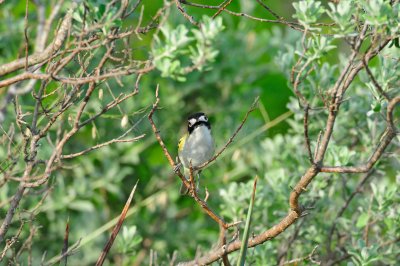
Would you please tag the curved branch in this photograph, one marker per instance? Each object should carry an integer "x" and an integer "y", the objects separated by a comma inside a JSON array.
[
  {"x": 388, "y": 135},
  {"x": 40, "y": 57},
  {"x": 74, "y": 81}
]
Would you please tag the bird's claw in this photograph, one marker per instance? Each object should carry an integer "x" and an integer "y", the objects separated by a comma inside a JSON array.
[{"x": 177, "y": 167}]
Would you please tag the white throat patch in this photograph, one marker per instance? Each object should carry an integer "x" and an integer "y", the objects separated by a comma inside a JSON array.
[{"x": 192, "y": 121}]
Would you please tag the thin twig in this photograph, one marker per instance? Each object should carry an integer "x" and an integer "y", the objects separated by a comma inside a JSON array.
[
  {"x": 65, "y": 244},
  {"x": 222, "y": 8},
  {"x": 185, "y": 14},
  {"x": 73, "y": 155},
  {"x": 75, "y": 81},
  {"x": 308, "y": 257},
  {"x": 71, "y": 250},
  {"x": 376, "y": 84},
  {"x": 306, "y": 136},
  {"x": 251, "y": 109},
  {"x": 293, "y": 25},
  {"x": 41, "y": 56},
  {"x": 269, "y": 10}
]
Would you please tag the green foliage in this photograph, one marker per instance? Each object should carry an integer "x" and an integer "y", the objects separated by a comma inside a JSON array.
[
  {"x": 342, "y": 15},
  {"x": 128, "y": 240},
  {"x": 308, "y": 12},
  {"x": 246, "y": 60},
  {"x": 170, "y": 54}
]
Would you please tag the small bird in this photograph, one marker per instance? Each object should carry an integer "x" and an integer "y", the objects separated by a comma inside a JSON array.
[{"x": 196, "y": 146}]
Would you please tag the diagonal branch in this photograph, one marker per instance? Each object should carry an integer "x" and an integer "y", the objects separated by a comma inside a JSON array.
[
  {"x": 389, "y": 133},
  {"x": 222, "y": 8},
  {"x": 47, "y": 53},
  {"x": 116, "y": 229},
  {"x": 187, "y": 183},
  {"x": 251, "y": 109}
]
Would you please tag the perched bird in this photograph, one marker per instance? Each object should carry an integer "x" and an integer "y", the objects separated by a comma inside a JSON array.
[{"x": 196, "y": 146}]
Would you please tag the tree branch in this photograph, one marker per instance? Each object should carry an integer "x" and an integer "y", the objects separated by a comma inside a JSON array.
[
  {"x": 47, "y": 53},
  {"x": 186, "y": 182}
]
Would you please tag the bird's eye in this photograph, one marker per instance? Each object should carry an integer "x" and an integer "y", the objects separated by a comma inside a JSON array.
[{"x": 203, "y": 118}]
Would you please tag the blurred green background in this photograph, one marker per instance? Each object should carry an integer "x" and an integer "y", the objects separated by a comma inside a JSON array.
[{"x": 91, "y": 190}]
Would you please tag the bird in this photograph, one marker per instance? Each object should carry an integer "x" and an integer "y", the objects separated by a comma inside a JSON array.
[{"x": 196, "y": 146}]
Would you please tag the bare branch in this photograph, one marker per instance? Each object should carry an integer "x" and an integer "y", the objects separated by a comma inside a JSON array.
[
  {"x": 185, "y": 14},
  {"x": 222, "y": 8},
  {"x": 308, "y": 257},
  {"x": 251, "y": 109},
  {"x": 98, "y": 146},
  {"x": 11, "y": 211},
  {"x": 116, "y": 229},
  {"x": 293, "y": 25},
  {"x": 49, "y": 51},
  {"x": 75, "y": 81},
  {"x": 388, "y": 135}
]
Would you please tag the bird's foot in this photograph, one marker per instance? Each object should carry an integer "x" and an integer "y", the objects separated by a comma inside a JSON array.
[{"x": 177, "y": 167}]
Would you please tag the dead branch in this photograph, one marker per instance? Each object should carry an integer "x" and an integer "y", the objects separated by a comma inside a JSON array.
[
  {"x": 98, "y": 146},
  {"x": 116, "y": 229}
]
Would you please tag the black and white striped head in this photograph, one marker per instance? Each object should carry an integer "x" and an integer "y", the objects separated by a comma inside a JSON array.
[{"x": 197, "y": 119}]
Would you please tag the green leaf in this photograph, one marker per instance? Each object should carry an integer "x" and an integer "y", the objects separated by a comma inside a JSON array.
[
  {"x": 102, "y": 9},
  {"x": 81, "y": 205},
  {"x": 362, "y": 220},
  {"x": 246, "y": 234},
  {"x": 308, "y": 12}
]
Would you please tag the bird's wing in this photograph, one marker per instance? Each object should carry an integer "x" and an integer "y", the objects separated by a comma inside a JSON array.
[{"x": 181, "y": 142}]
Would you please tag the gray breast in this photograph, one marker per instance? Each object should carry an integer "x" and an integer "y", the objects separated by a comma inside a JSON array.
[{"x": 199, "y": 147}]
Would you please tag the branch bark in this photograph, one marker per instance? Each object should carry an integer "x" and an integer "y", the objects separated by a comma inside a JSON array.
[{"x": 40, "y": 57}]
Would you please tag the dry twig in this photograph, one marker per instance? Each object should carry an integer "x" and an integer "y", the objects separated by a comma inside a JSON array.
[{"x": 116, "y": 229}]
